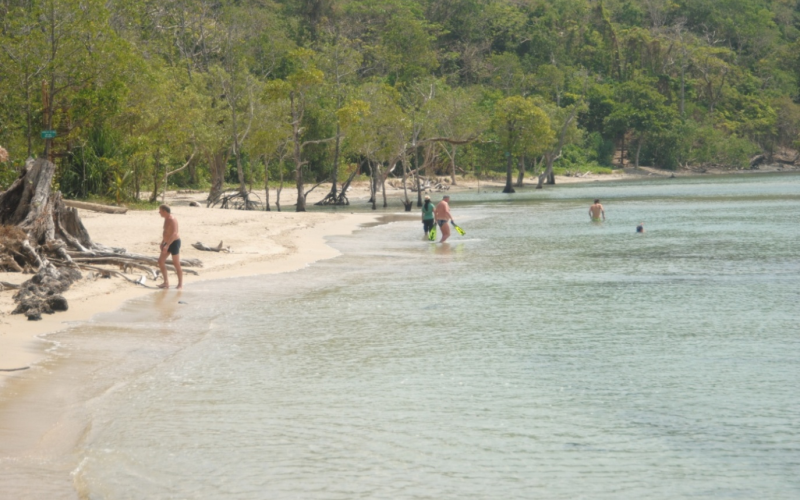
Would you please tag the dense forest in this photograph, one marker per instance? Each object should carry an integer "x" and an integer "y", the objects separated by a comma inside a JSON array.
[{"x": 210, "y": 94}]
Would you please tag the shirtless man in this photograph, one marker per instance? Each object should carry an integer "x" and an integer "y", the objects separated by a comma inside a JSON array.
[
  {"x": 170, "y": 244},
  {"x": 442, "y": 215},
  {"x": 596, "y": 210}
]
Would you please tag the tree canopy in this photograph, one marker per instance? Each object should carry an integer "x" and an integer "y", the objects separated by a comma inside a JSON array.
[{"x": 141, "y": 93}]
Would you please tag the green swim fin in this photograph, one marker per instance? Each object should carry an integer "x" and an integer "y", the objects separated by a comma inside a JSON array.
[
  {"x": 432, "y": 233},
  {"x": 459, "y": 230}
]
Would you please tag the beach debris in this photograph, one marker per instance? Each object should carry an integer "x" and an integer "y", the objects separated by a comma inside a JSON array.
[
  {"x": 340, "y": 197},
  {"x": 194, "y": 204},
  {"x": 206, "y": 248},
  {"x": 42, "y": 293},
  {"x": 95, "y": 207},
  {"x": 41, "y": 234},
  {"x": 235, "y": 199},
  {"x": 4, "y": 285},
  {"x": 14, "y": 369}
]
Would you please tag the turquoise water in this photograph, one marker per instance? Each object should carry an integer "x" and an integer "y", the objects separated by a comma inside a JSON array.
[{"x": 539, "y": 356}]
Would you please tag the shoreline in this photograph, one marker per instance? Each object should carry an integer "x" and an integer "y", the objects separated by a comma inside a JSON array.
[{"x": 262, "y": 243}]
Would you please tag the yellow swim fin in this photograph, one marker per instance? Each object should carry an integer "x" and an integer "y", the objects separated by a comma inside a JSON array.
[
  {"x": 459, "y": 230},
  {"x": 432, "y": 233}
]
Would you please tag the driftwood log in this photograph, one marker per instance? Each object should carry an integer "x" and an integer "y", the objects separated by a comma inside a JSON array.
[
  {"x": 95, "y": 207},
  {"x": 206, "y": 248},
  {"x": 40, "y": 234},
  {"x": 235, "y": 199}
]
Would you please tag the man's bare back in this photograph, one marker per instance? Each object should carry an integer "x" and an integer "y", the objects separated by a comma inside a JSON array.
[{"x": 596, "y": 211}]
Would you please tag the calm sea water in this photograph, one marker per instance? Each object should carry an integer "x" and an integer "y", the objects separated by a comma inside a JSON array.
[{"x": 539, "y": 356}]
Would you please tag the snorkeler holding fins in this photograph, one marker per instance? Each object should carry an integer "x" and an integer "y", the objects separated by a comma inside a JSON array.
[{"x": 439, "y": 215}]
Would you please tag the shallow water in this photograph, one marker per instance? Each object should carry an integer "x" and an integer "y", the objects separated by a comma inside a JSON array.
[{"x": 539, "y": 356}]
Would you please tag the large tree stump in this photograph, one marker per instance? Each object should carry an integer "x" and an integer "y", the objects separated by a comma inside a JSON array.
[{"x": 41, "y": 234}]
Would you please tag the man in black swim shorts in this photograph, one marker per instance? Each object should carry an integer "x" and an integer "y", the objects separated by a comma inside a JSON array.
[{"x": 170, "y": 245}]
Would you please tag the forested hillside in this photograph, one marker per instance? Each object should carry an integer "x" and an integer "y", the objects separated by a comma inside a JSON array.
[{"x": 202, "y": 93}]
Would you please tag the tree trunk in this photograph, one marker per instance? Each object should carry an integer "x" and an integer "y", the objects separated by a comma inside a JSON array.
[
  {"x": 193, "y": 175},
  {"x": 156, "y": 167},
  {"x": 372, "y": 191},
  {"x": 453, "y": 166},
  {"x": 266, "y": 184},
  {"x": 509, "y": 177},
  {"x": 521, "y": 175},
  {"x": 406, "y": 202},
  {"x": 298, "y": 162},
  {"x": 238, "y": 155},
  {"x": 383, "y": 185},
  {"x": 217, "y": 164},
  {"x": 333, "y": 195},
  {"x": 278, "y": 191},
  {"x": 342, "y": 200},
  {"x": 639, "y": 150},
  {"x": 417, "y": 170},
  {"x": 547, "y": 173}
]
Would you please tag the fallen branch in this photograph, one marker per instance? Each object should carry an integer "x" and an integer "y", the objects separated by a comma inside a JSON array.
[
  {"x": 95, "y": 207},
  {"x": 133, "y": 256},
  {"x": 153, "y": 272},
  {"x": 14, "y": 369},
  {"x": 206, "y": 248},
  {"x": 124, "y": 264},
  {"x": 4, "y": 285},
  {"x": 107, "y": 273}
]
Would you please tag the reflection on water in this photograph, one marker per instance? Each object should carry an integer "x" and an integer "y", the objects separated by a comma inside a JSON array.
[{"x": 540, "y": 356}]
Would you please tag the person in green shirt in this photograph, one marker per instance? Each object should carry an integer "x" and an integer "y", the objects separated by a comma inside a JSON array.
[{"x": 427, "y": 215}]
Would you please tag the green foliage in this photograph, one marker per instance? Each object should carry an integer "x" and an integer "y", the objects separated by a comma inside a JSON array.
[
  {"x": 135, "y": 87},
  {"x": 521, "y": 126},
  {"x": 599, "y": 149}
]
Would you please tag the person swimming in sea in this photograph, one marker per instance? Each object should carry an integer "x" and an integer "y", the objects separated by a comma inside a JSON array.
[
  {"x": 596, "y": 212},
  {"x": 640, "y": 227}
]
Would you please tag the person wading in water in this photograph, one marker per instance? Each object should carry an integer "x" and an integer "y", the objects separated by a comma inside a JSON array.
[
  {"x": 427, "y": 215},
  {"x": 442, "y": 215},
  {"x": 596, "y": 211}
]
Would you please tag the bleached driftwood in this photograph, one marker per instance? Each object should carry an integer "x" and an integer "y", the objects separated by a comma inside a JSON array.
[
  {"x": 206, "y": 248},
  {"x": 95, "y": 207}
]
